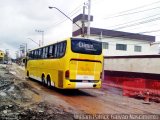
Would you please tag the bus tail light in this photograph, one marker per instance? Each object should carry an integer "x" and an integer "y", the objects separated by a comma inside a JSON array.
[
  {"x": 101, "y": 75},
  {"x": 67, "y": 74}
]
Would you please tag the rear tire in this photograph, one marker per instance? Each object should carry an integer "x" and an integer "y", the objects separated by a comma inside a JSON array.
[
  {"x": 28, "y": 74},
  {"x": 43, "y": 80},
  {"x": 48, "y": 82}
]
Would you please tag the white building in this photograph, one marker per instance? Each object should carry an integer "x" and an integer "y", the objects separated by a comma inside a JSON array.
[{"x": 116, "y": 43}]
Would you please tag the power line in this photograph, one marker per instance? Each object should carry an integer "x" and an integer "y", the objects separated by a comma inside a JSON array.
[
  {"x": 134, "y": 23},
  {"x": 123, "y": 13},
  {"x": 138, "y": 23},
  {"x": 134, "y": 20},
  {"x": 151, "y": 31},
  {"x": 131, "y": 13}
]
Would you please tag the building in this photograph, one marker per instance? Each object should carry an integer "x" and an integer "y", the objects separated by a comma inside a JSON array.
[
  {"x": 116, "y": 43},
  {"x": 1, "y": 56}
]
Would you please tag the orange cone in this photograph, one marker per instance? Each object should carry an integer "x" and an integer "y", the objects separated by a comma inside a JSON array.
[{"x": 146, "y": 99}]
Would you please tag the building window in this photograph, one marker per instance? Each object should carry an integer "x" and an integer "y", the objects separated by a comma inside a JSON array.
[
  {"x": 105, "y": 45},
  {"x": 121, "y": 47},
  {"x": 137, "y": 48}
]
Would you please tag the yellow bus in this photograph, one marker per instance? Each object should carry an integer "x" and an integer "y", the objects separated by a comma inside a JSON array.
[
  {"x": 70, "y": 64},
  {"x": 1, "y": 56}
]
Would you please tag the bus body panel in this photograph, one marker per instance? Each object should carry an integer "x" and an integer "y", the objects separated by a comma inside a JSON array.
[{"x": 85, "y": 70}]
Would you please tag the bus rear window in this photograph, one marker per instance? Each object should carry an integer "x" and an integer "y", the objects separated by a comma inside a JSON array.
[{"x": 86, "y": 46}]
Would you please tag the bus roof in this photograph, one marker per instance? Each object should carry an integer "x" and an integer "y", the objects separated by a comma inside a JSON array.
[{"x": 60, "y": 41}]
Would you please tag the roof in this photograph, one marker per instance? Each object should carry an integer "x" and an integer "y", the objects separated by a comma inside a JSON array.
[{"x": 113, "y": 33}]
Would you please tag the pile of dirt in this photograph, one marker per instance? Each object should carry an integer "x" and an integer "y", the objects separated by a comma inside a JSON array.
[
  {"x": 10, "y": 111},
  {"x": 13, "y": 99},
  {"x": 40, "y": 111},
  {"x": 45, "y": 111},
  {"x": 17, "y": 101}
]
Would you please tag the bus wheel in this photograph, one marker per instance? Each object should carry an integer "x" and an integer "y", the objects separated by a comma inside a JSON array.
[
  {"x": 43, "y": 80},
  {"x": 28, "y": 74},
  {"x": 48, "y": 82}
]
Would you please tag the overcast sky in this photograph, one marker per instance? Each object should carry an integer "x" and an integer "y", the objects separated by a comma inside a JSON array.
[{"x": 20, "y": 18}]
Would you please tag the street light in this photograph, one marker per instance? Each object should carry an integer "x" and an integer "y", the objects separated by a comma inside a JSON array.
[
  {"x": 22, "y": 50},
  {"x": 41, "y": 31},
  {"x": 64, "y": 15},
  {"x": 25, "y": 46},
  {"x": 17, "y": 54},
  {"x": 34, "y": 41}
]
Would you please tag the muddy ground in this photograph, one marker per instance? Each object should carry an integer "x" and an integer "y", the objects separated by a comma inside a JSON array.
[{"x": 23, "y": 98}]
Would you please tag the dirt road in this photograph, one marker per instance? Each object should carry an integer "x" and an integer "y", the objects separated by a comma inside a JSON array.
[{"x": 67, "y": 103}]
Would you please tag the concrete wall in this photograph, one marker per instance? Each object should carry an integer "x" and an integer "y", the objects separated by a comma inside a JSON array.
[{"x": 138, "y": 64}]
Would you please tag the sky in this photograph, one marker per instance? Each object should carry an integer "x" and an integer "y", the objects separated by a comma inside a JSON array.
[{"x": 19, "y": 19}]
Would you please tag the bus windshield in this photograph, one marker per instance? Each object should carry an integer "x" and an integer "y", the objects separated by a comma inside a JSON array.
[{"x": 86, "y": 46}]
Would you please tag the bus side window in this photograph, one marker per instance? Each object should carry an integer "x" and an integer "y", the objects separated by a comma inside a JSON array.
[
  {"x": 43, "y": 52},
  {"x": 32, "y": 54},
  {"x": 55, "y": 51},
  {"x": 35, "y": 56},
  {"x": 39, "y": 53},
  {"x": 50, "y": 49},
  {"x": 59, "y": 50},
  {"x": 46, "y": 52},
  {"x": 29, "y": 55},
  {"x": 62, "y": 49}
]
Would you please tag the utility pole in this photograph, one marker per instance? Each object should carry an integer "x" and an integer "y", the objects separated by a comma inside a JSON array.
[
  {"x": 17, "y": 54},
  {"x": 41, "y": 31},
  {"x": 42, "y": 38},
  {"x": 83, "y": 21},
  {"x": 7, "y": 55},
  {"x": 89, "y": 12},
  {"x": 25, "y": 48},
  {"x": 22, "y": 51}
]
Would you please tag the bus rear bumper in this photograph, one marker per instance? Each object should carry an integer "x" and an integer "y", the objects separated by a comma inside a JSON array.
[
  {"x": 81, "y": 85},
  {"x": 87, "y": 85}
]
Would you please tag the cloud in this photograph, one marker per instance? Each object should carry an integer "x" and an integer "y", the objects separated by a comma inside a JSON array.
[{"x": 20, "y": 18}]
